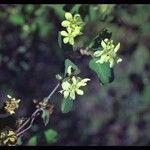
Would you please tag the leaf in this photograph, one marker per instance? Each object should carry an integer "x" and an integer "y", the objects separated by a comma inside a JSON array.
[
  {"x": 96, "y": 42},
  {"x": 59, "y": 40},
  {"x": 92, "y": 13},
  {"x": 32, "y": 141},
  {"x": 75, "y": 8},
  {"x": 17, "y": 19},
  {"x": 66, "y": 105},
  {"x": 19, "y": 141},
  {"x": 70, "y": 63},
  {"x": 45, "y": 116},
  {"x": 103, "y": 71},
  {"x": 50, "y": 135}
]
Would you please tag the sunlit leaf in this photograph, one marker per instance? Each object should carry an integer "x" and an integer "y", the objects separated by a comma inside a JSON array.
[
  {"x": 103, "y": 71},
  {"x": 66, "y": 105},
  {"x": 45, "y": 116},
  {"x": 74, "y": 67}
]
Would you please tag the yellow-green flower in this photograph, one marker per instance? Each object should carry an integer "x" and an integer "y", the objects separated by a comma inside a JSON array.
[
  {"x": 108, "y": 53},
  {"x": 72, "y": 21},
  {"x": 73, "y": 25},
  {"x": 68, "y": 36},
  {"x": 11, "y": 104},
  {"x": 72, "y": 87}
]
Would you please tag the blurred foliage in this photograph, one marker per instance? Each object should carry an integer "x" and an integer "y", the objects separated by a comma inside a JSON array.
[
  {"x": 50, "y": 136},
  {"x": 30, "y": 57}
]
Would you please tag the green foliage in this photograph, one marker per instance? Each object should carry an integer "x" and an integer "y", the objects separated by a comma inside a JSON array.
[
  {"x": 103, "y": 71},
  {"x": 45, "y": 116},
  {"x": 103, "y": 34},
  {"x": 32, "y": 141},
  {"x": 17, "y": 19},
  {"x": 66, "y": 105},
  {"x": 75, "y": 70},
  {"x": 50, "y": 136}
]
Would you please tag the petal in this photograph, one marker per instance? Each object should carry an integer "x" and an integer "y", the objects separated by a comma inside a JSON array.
[
  {"x": 74, "y": 80},
  {"x": 79, "y": 92},
  {"x": 97, "y": 53},
  {"x": 68, "y": 16},
  {"x": 65, "y": 23},
  {"x": 69, "y": 70},
  {"x": 64, "y": 33},
  {"x": 111, "y": 61},
  {"x": 102, "y": 59},
  {"x": 71, "y": 41},
  {"x": 65, "y": 40},
  {"x": 66, "y": 94},
  {"x": 69, "y": 30},
  {"x": 119, "y": 60},
  {"x": 106, "y": 40},
  {"x": 76, "y": 16},
  {"x": 72, "y": 95},
  {"x": 9, "y": 96},
  {"x": 65, "y": 85},
  {"x": 85, "y": 80},
  {"x": 117, "y": 48}
]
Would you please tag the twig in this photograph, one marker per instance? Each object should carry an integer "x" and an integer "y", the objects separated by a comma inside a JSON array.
[
  {"x": 25, "y": 123},
  {"x": 31, "y": 123},
  {"x": 34, "y": 115},
  {"x": 49, "y": 96}
]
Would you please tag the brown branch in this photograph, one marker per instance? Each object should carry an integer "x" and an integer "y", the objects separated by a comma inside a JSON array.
[
  {"x": 35, "y": 114},
  {"x": 19, "y": 131}
]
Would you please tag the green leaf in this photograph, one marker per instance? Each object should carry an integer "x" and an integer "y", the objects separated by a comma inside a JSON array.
[
  {"x": 50, "y": 135},
  {"x": 96, "y": 42},
  {"x": 29, "y": 8},
  {"x": 74, "y": 67},
  {"x": 17, "y": 19},
  {"x": 103, "y": 71},
  {"x": 75, "y": 8},
  {"x": 66, "y": 105},
  {"x": 32, "y": 141},
  {"x": 45, "y": 116},
  {"x": 19, "y": 141}
]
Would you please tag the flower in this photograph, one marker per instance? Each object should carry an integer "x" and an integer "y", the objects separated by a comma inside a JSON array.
[
  {"x": 72, "y": 86},
  {"x": 11, "y": 104},
  {"x": 8, "y": 137},
  {"x": 73, "y": 25},
  {"x": 108, "y": 53},
  {"x": 68, "y": 36}
]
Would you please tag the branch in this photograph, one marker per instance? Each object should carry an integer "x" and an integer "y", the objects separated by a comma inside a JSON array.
[
  {"x": 54, "y": 90},
  {"x": 35, "y": 114}
]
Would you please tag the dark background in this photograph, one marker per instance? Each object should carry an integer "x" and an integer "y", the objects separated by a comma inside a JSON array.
[{"x": 115, "y": 114}]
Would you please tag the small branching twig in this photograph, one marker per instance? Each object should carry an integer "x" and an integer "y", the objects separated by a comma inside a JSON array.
[{"x": 20, "y": 131}]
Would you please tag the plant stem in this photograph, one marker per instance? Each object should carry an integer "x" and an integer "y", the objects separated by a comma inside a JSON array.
[
  {"x": 34, "y": 114},
  {"x": 54, "y": 90}
]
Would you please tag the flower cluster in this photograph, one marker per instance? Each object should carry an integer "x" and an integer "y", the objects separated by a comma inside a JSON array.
[
  {"x": 8, "y": 137},
  {"x": 11, "y": 104},
  {"x": 71, "y": 85},
  {"x": 73, "y": 25},
  {"x": 108, "y": 53}
]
